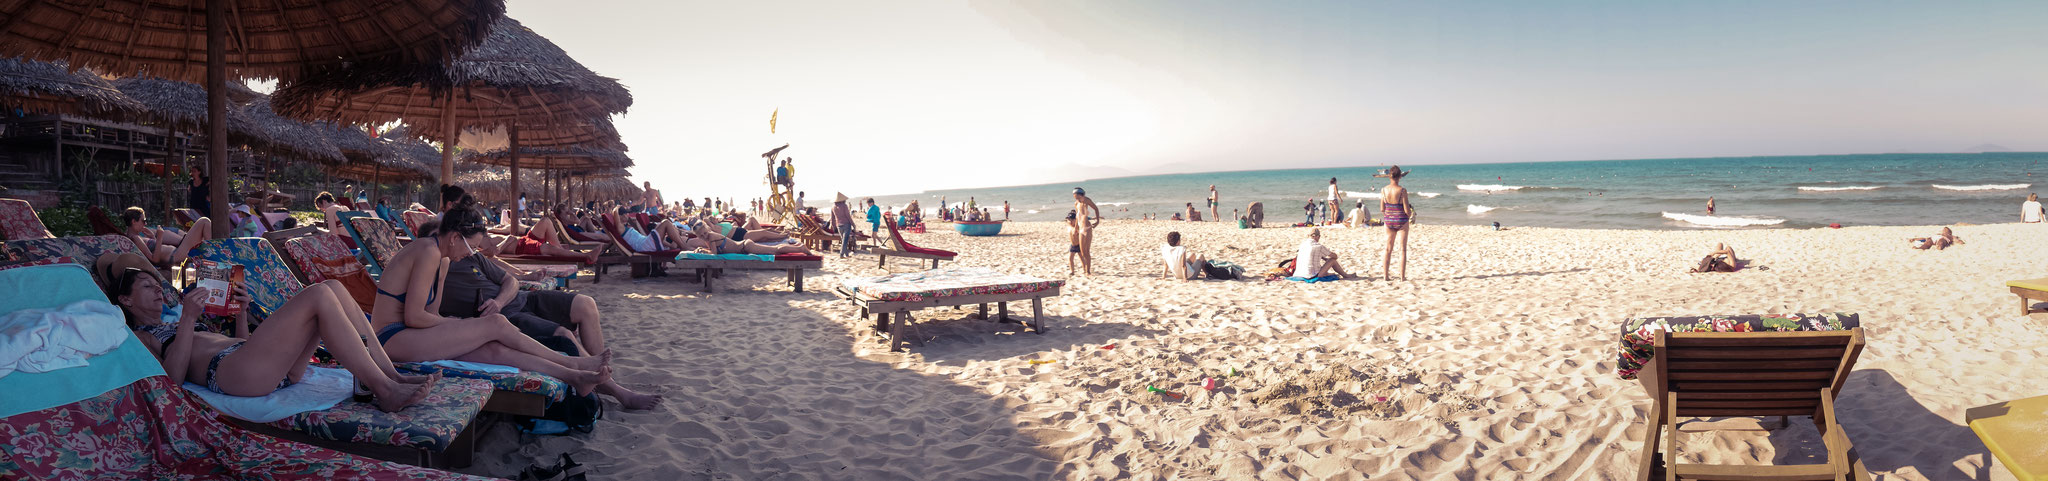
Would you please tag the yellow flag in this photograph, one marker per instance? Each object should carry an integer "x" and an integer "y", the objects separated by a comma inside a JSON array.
[{"x": 771, "y": 119}]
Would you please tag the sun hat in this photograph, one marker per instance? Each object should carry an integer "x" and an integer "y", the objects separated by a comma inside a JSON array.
[{"x": 842, "y": 197}]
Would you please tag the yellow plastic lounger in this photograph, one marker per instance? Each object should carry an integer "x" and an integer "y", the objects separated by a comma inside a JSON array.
[
  {"x": 2030, "y": 290},
  {"x": 2012, "y": 430}
]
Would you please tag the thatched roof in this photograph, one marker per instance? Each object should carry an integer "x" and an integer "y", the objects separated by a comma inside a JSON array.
[
  {"x": 573, "y": 158},
  {"x": 356, "y": 144},
  {"x": 596, "y": 133},
  {"x": 404, "y": 159},
  {"x": 178, "y": 105},
  {"x": 610, "y": 188},
  {"x": 515, "y": 77},
  {"x": 268, "y": 38},
  {"x": 290, "y": 137},
  {"x": 44, "y": 87}
]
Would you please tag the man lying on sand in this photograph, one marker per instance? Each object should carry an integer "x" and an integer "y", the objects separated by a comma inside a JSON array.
[
  {"x": 1940, "y": 242},
  {"x": 1721, "y": 259}
]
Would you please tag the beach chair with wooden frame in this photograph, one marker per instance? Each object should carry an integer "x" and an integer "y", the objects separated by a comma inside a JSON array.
[
  {"x": 1783, "y": 374},
  {"x": 2030, "y": 290},
  {"x": 643, "y": 263},
  {"x": 903, "y": 248},
  {"x": 812, "y": 233}
]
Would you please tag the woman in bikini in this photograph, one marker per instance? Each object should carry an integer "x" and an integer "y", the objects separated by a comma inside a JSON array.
[
  {"x": 162, "y": 246},
  {"x": 544, "y": 239},
  {"x": 1940, "y": 242},
  {"x": 263, "y": 361},
  {"x": 1395, "y": 213},
  {"x": 710, "y": 241},
  {"x": 1090, "y": 216},
  {"x": 408, "y": 300}
]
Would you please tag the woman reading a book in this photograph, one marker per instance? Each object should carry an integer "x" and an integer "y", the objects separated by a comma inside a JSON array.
[
  {"x": 264, "y": 361},
  {"x": 409, "y": 325}
]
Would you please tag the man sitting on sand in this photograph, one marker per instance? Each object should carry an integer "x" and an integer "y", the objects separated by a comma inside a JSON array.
[
  {"x": 1181, "y": 264},
  {"x": 1940, "y": 242},
  {"x": 1721, "y": 259},
  {"x": 1314, "y": 261}
]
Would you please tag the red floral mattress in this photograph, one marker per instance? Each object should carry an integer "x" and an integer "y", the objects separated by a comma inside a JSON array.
[{"x": 947, "y": 282}]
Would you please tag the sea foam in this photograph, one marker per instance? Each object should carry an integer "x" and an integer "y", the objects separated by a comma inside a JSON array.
[
  {"x": 1813, "y": 188},
  {"x": 1477, "y": 209},
  {"x": 1982, "y": 187},
  {"x": 1722, "y": 221},
  {"x": 1490, "y": 187}
]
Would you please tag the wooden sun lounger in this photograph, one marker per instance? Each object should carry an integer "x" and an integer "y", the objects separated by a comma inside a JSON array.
[
  {"x": 709, "y": 268},
  {"x": 2030, "y": 290},
  {"x": 894, "y": 318},
  {"x": 901, "y": 247},
  {"x": 1714, "y": 374}
]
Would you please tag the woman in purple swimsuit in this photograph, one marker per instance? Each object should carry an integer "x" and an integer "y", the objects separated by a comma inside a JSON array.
[{"x": 1394, "y": 213}]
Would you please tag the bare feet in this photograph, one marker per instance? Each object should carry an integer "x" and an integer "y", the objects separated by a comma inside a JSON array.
[
  {"x": 395, "y": 396},
  {"x": 586, "y": 382},
  {"x": 631, "y": 400}
]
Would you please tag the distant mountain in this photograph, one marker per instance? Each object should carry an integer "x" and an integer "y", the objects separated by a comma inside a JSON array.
[{"x": 1987, "y": 148}]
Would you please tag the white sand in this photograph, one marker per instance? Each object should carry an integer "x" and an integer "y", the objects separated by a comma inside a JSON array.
[{"x": 1496, "y": 361}]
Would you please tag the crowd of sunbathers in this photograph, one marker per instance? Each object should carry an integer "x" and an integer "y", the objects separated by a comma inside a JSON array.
[{"x": 446, "y": 295}]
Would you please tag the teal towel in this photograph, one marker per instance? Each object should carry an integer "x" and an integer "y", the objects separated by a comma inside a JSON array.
[{"x": 727, "y": 257}]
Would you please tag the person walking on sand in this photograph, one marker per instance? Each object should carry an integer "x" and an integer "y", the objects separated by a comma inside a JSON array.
[
  {"x": 1336, "y": 211},
  {"x": 1395, "y": 212},
  {"x": 1089, "y": 216},
  {"x": 1212, "y": 203},
  {"x": 842, "y": 218},
  {"x": 1006, "y": 211},
  {"x": 2030, "y": 211}
]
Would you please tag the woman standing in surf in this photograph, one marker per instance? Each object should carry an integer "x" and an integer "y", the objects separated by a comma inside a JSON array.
[
  {"x": 1090, "y": 216},
  {"x": 1395, "y": 212}
]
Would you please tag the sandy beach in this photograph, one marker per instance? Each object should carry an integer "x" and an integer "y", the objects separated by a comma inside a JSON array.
[{"x": 1495, "y": 360}]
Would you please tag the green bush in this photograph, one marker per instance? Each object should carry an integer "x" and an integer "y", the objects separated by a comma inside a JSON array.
[{"x": 65, "y": 221}]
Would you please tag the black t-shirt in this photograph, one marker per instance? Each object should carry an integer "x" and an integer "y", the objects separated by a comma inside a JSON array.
[{"x": 471, "y": 280}]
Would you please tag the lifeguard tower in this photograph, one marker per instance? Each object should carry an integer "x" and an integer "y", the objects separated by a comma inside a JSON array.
[{"x": 782, "y": 206}]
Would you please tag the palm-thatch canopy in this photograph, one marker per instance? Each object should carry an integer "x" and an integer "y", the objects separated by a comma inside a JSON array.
[
  {"x": 356, "y": 144},
  {"x": 514, "y": 78},
  {"x": 600, "y": 173},
  {"x": 178, "y": 105},
  {"x": 596, "y": 133},
  {"x": 407, "y": 159},
  {"x": 493, "y": 183},
  {"x": 567, "y": 158},
  {"x": 267, "y": 38},
  {"x": 45, "y": 87},
  {"x": 290, "y": 137},
  {"x": 610, "y": 188}
]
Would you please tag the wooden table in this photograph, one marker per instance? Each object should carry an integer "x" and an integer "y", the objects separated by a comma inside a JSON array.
[
  {"x": 894, "y": 316},
  {"x": 2017, "y": 433}
]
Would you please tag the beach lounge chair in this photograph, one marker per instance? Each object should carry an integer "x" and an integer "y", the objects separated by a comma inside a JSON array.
[
  {"x": 892, "y": 298},
  {"x": 77, "y": 250},
  {"x": 2030, "y": 290},
  {"x": 378, "y": 242},
  {"x": 903, "y": 248},
  {"x": 643, "y": 263},
  {"x": 101, "y": 224},
  {"x": 321, "y": 257},
  {"x": 141, "y": 424},
  {"x": 2012, "y": 431},
  {"x": 709, "y": 266},
  {"x": 18, "y": 221},
  {"x": 186, "y": 217},
  {"x": 813, "y": 234},
  {"x": 1714, "y": 374}
]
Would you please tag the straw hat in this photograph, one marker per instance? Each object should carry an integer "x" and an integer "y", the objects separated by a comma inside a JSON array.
[
  {"x": 842, "y": 197},
  {"x": 108, "y": 269}
]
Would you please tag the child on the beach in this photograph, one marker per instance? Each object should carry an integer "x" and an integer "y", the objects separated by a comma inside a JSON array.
[{"x": 1073, "y": 240}]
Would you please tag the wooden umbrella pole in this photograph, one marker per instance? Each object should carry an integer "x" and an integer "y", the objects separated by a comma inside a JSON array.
[
  {"x": 448, "y": 139},
  {"x": 512, "y": 149},
  {"x": 169, "y": 211},
  {"x": 216, "y": 114}
]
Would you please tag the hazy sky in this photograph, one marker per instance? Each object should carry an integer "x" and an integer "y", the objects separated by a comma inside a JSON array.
[{"x": 889, "y": 96}]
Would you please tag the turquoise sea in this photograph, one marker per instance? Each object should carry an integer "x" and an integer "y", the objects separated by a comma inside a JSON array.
[{"x": 1750, "y": 192}]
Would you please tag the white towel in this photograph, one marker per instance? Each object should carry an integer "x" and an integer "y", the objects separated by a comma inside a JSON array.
[
  {"x": 320, "y": 390},
  {"x": 44, "y": 340},
  {"x": 474, "y": 367}
]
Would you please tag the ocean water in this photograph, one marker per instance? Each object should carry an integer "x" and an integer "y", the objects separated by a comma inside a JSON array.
[{"x": 1749, "y": 192}]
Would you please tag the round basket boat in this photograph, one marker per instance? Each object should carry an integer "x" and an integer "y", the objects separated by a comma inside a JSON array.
[{"x": 981, "y": 228}]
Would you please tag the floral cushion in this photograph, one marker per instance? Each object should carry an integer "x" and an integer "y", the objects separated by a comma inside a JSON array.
[
  {"x": 1639, "y": 335},
  {"x": 83, "y": 250},
  {"x": 431, "y": 425},
  {"x": 152, "y": 429},
  {"x": 323, "y": 257},
  {"x": 414, "y": 219},
  {"x": 528, "y": 382},
  {"x": 947, "y": 282},
  {"x": 376, "y": 238},
  {"x": 18, "y": 221},
  {"x": 270, "y": 282}
]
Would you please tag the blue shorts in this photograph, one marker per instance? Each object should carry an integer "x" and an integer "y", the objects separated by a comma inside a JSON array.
[{"x": 384, "y": 335}]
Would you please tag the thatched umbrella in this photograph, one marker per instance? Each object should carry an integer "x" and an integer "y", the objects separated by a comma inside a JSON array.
[
  {"x": 515, "y": 79},
  {"x": 46, "y": 87},
  {"x": 273, "y": 38},
  {"x": 288, "y": 136}
]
